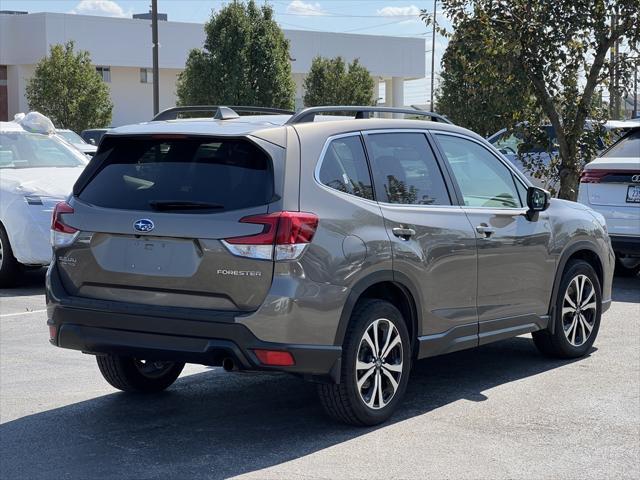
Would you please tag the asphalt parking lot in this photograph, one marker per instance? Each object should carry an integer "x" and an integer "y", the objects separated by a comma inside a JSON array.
[{"x": 500, "y": 411}]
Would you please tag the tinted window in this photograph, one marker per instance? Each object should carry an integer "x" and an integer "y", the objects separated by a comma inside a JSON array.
[
  {"x": 483, "y": 180},
  {"x": 137, "y": 173},
  {"x": 628, "y": 147},
  {"x": 33, "y": 150},
  {"x": 406, "y": 170},
  {"x": 344, "y": 167}
]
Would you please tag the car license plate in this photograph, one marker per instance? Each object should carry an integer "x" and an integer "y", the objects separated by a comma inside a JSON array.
[{"x": 633, "y": 194}]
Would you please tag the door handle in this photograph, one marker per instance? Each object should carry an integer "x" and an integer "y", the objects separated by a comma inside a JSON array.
[
  {"x": 486, "y": 229},
  {"x": 404, "y": 233}
]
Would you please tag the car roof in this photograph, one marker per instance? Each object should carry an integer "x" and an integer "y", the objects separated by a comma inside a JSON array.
[{"x": 11, "y": 127}]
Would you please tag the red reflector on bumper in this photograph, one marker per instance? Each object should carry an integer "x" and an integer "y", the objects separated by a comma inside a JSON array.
[
  {"x": 53, "y": 332},
  {"x": 275, "y": 358}
]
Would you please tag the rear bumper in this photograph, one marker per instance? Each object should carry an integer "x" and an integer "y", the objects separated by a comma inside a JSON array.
[
  {"x": 626, "y": 245},
  {"x": 94, "y": 327}
]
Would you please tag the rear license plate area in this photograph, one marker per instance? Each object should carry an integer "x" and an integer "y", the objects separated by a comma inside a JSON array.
[{"x": 633, "y": 194}]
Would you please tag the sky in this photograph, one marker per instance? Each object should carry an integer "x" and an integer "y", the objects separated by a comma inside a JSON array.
[{"x": 374, "y": 17}]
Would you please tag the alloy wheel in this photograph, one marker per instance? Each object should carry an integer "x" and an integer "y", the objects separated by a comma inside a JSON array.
[
  {"x": 579, "y": 309},
  {"x": 379, "y": 363}
]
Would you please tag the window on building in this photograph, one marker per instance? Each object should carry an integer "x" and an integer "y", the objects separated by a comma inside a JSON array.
[
  {"x": 146, "y": 75},
  {"x": 105, "y": 73}
]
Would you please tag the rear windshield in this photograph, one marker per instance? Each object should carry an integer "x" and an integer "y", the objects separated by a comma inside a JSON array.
[
  {"x": 627, "y": 147},
  {"x": 175, "y": 174}
]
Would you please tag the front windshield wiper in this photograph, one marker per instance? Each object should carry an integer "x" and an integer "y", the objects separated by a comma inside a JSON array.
[{"x": 165, "y": 205}]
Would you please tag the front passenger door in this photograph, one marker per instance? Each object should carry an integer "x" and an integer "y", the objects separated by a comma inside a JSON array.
[
  {"x": 432, "y": 241},
  {"x": 515, "y": 266}
]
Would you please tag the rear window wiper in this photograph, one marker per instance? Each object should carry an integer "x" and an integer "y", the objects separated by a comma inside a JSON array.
[{"x": 165, "y": 205}]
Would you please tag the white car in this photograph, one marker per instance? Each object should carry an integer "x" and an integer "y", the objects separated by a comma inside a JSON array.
[
  {"x": 37, "y": 170},
  {"x": 77, "y": 141},
  {"x": 611, "y": 185}
]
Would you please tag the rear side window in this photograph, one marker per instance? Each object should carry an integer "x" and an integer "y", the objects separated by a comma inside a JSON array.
[
  {"x": 406, "y": 170},
  {"x": 344, "y": 167},
  {"x": 627, "y": 147},
  {"x": 143, "y": 173}
]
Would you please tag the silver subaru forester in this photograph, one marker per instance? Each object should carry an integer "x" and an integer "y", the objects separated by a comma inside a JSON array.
[{"x": 340, "y": 248}]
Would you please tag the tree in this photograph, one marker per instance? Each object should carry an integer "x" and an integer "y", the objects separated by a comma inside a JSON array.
[
  {"x": 66, "y": 88},
  {"x": 245, "y": 61},
  {"x": 473, "y": 97},
  {"x": 331, "y": 82},
  {"x": 561, "y": 47}
]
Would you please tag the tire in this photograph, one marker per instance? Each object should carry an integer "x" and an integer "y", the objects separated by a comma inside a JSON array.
[
  {"x": 131, "y": 375},
  {"x": 346, "y": 402},
  {"x": 576, "y": 329},
  {"x": 10, "y": 268},
  {"x": 627, "y": 267}
]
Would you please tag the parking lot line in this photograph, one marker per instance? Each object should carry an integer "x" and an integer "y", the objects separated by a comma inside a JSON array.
[{"x": 22, "y": 313}]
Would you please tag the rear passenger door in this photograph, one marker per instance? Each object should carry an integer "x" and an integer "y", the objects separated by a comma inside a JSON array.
[
  {"x": 432, "y": 240},
  {"x": 515, "y": 267}
]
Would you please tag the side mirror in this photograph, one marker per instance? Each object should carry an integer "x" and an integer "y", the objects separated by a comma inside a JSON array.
[
  {"x": 92, "y": 141},
  {"x": 537, "y": 199}
]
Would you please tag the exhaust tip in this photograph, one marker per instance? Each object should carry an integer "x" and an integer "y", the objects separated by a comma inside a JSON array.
[{"x": 229, "y": 364}]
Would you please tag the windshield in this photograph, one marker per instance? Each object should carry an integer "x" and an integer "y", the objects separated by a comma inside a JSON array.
[
  {"x": 518, "y": 141},
  {"x": 70, "y": 136},
  {"x": 35, "y": 150}
]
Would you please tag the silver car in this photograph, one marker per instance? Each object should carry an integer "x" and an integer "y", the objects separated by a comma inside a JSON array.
[{"x": 341, "y": 250}]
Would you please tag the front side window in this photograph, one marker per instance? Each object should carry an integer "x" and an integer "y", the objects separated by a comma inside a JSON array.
[
  {"x": 344, "y": 167},
  {"x": 406, "y": 170},
  {"x": 483, "y": 180},
  {"x": 35, "y": 150}
]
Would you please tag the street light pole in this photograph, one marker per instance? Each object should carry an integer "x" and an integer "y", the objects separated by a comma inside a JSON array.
[
  {"x": 433, "y": 53},
  {"x": 156, "y": 73}
]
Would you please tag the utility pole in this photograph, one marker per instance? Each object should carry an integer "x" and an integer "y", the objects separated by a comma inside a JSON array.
[
  {"x": 634, "y": 114},
  {"x": 433, "y": 53},
  {"x": 154, "y": 40}
]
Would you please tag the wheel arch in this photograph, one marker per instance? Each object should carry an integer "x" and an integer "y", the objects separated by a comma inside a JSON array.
[
  {"x": 385, "y": 285},
  {"x": 582, "y": 250}
]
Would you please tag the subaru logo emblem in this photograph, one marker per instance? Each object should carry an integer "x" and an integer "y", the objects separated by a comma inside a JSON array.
[
  {"x": 635, "y": 178},
  {"x": 143, "y": 225}
]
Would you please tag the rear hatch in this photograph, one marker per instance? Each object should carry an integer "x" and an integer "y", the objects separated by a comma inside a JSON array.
[
  {"x": 152, "y": 213},
  {"x": 613, "y": 180}
]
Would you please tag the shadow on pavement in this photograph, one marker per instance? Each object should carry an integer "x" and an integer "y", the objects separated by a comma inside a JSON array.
[
  {"x": 29, "y": 282},
  {"x": 215, "y": 424},
  {"x": 626, "y": 289}
]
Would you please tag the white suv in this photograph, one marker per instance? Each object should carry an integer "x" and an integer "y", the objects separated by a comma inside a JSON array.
[{"x": 611, "y": 185}]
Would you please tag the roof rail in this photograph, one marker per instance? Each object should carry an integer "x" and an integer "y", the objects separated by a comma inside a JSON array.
[
  {"x": 308, "y": 114},
  {"x": 172, "y": 113}
]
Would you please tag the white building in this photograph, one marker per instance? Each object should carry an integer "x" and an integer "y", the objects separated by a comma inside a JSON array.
[{"x": 121, "y": 50}]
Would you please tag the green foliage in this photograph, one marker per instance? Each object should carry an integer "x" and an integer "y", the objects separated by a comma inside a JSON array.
[
  {"x": 561, "y": 47},
  {"x": 245, "y": 61},
  {"x": 66, "y": 88},
  {"x": 480, "y": 99},
  {"x": 331, "y": 82}
]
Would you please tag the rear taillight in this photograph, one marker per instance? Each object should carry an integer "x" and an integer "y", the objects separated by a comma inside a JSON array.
[
  {"x": 61, "y": 233},
  {"x": 592, "y": 176},
  {"x": 284, "y": 236}
]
